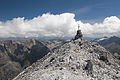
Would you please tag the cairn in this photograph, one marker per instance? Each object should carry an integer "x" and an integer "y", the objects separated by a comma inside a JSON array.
[{"x": 79, "y": 34}]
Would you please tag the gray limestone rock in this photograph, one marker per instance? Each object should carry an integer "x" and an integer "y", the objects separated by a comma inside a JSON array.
[{"x": 72, "y": 61}]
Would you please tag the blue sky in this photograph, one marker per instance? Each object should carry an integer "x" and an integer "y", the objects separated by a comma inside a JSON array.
[
  {"x": 85, "y": 10},
  {"x": 34, "y": 18}
]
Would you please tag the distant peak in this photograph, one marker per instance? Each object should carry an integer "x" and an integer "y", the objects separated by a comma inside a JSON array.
[
  {"x": 105, "y": 37},
  {"x": 114, "y": 37}
]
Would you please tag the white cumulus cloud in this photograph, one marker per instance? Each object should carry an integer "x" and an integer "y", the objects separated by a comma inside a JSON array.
[{"x": 60, "y": 25}]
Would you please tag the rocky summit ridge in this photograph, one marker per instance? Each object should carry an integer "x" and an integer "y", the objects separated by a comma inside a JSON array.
[{"x": 75, "y": 60}]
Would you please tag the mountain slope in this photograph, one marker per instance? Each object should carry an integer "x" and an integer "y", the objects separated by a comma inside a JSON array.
[
  {"x": 112, "y": 44},
  {"x": 17, "y": 55},
  {"x": 110, "y": 40},
  {"x": 75, "y": 60}
]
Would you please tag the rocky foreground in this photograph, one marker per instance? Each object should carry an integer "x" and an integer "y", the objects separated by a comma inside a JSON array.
[{"x": 75, "y": 60}]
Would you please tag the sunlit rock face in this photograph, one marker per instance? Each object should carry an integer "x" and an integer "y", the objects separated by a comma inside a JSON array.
[{"x": 75, "y": 60}]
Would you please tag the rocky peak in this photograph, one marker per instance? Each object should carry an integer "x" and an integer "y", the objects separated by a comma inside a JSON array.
[
  {"x": 75, "y": 60},
  {"x": 79, "y": 34}
]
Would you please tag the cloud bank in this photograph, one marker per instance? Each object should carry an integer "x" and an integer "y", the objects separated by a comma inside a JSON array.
[{"x": 49, "y": 25}]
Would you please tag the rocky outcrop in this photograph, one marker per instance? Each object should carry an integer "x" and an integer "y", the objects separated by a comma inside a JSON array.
[
  {"x": 78, "y": 35},
  {"x": 75, "y": 60},
  {"x": 112, "y": 44}
]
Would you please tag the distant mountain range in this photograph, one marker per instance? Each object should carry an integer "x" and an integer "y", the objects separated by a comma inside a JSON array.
[
  {"x": 42, "y": 38},
  {"x": 17, "y": 55},
  {"x": 36, "y": 38},
  {"x": 112, "y": 44}
]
